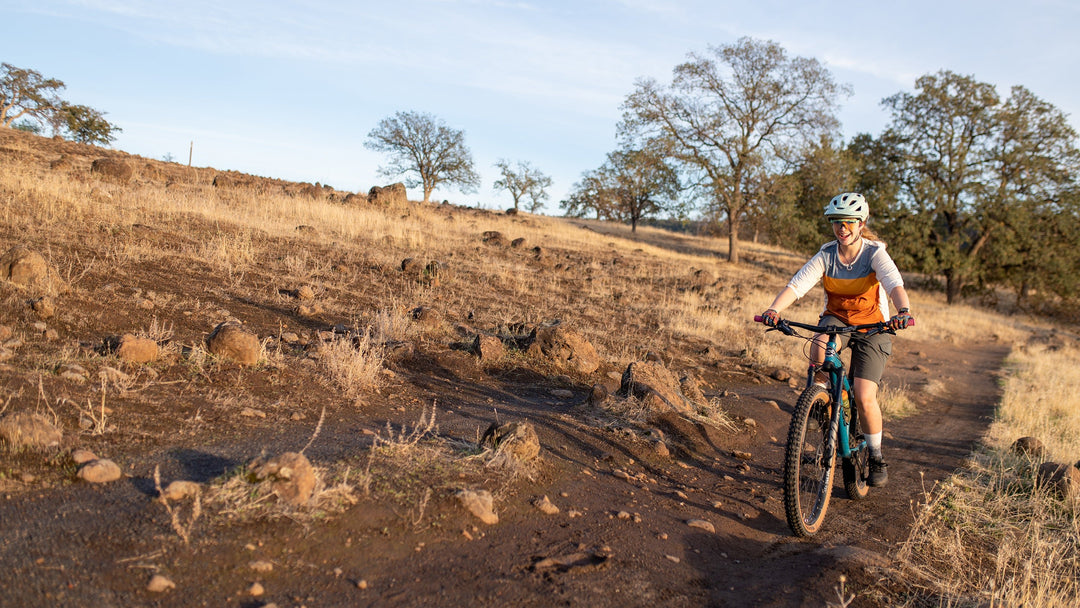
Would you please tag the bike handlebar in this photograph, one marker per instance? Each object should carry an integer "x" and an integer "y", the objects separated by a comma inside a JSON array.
[{"x": 831, "y": 329}]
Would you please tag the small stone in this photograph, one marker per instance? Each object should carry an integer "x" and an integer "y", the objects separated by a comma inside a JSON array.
[
  {"x": 562, "y": 393},
  {"x": 480, "y": 504},
  {"x": 742, "y": 455},
  {"x": 256, "y": 589},
  {"x": 100, "y": 471},
  {"x": 179, "y": 490},
  {"x": 81, "y": 456},
  {"x": 672, "y": 558},
  {"x": 545, "y": 506},
  {"x": 137, "y": 350},
  {"x": 44, "y": 307},
  {"x": 305, "y": 293},
  {"x": 159, "y": 584},
  {"x": 361, "y": 584},
  {"x": 26, "y": 429},
  {"x": 623, "y": 515},
  {"x": 701, "y": 524},
  {"x": 750, "y": 422},
  {"x": 233, "y": 342}
]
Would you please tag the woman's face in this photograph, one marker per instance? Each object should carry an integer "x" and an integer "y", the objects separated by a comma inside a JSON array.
[{"x": 847, "y": 231}]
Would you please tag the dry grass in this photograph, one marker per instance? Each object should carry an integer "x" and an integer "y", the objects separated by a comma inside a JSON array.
[
  {"x": 353, "y": 364},
  {"x": 992, "y": 535},
  {"x": 985, "y": 536}
]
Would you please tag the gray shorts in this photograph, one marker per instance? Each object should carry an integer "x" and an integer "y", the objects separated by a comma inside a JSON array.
[{"x": 868, "y": 354}]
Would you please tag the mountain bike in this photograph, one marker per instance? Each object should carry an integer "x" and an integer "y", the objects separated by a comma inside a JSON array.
[{"x": 815, "y": 438}]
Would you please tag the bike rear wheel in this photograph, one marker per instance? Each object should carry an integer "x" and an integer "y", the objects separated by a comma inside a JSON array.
[{"x": 808, "y": 474}]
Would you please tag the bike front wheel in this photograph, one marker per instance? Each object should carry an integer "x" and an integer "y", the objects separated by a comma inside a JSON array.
[{"x": 808, "y": 472}]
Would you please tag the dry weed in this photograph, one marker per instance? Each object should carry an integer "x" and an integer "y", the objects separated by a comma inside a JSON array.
[
  {"x": 353, "y": 365},
  {"x": 992, "y": 534}
]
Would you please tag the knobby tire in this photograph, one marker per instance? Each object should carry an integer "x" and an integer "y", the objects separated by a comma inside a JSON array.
[
  {"x": 807, "y": 476},
  {"x": 857, "y": 468}
]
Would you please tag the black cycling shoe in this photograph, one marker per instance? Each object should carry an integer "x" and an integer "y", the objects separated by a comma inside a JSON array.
[{"x": 879, "y": 473}]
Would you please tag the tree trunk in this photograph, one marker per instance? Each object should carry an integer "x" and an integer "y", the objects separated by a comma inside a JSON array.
[
  {"x": 733, "y": 241},
  {"x": 953, "y": 284}
]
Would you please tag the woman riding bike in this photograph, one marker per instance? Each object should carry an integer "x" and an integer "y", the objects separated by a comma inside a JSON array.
[{"x": 859, "y": 277}]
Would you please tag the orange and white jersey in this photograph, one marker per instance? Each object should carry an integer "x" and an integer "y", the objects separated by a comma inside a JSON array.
[{"x": 855, "y": 293}]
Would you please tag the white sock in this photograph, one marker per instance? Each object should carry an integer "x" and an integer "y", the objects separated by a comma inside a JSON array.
[{"x": 873, "y": 442}]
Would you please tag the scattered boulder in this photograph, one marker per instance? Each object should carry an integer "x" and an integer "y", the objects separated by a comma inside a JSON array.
[
  {"x": 565, "y": 347},
  {"x": 44, "y": 307},
  {"x": 1029, "y": 447},
  {"x": 598, "y": 394},
  {"x": 412, "y": 266},
  {"x": 114, "y": 169},
  {"x": 691, "y": 389},
  {"x": 493, "y": 238},
  {"x": 518, "y": 242},
  {"x": 394, "y": 194},
  {"x": 488, "y": 349},
  {"x": 29, "y": 430},
  {"x": 355, "y": 199},
  {"x": 290, "y": 475},
  {"x": 656, "y": 386},
  {"x": 305, "y": 292},
  {"x": 700, "y": 279},
  {"x": 223, "y": 180},
  {"x": 231, "y": 341},
  {"x": 511, "y": 442},
  {"x": 1064, "y": 479},
  {"x": 28, "y": 268},
  {"x": 480, "y": 503},
  {"x": 426, "y": 316},
  {"x": 101, "y": 470},
  {"x": 137, "y": 350}
]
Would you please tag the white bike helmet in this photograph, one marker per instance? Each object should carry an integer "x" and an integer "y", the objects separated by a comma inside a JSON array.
[{"x": 848, "y": 204}]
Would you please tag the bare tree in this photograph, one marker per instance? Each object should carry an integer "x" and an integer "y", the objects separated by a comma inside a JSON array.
[
  {"x": 523, "y": 181},
  {"x": 730, "y": 115},
  {"x": 424, "y": 150},
  {"x": 26, "y": 93}
]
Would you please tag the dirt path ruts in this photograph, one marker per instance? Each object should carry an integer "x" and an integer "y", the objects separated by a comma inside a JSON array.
[{"x": 625, "y": 542}]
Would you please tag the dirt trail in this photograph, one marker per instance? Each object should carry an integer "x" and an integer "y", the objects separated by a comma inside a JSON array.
[{"x": 621, "y": 538}]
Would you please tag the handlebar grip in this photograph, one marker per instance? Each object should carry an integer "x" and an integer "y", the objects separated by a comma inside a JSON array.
[
  {"x": 759, "y": 318},
  {"x": 910, "y": 323}
]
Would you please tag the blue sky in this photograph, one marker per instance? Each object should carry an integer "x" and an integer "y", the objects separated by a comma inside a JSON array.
[{"x": 291, "y": 89}]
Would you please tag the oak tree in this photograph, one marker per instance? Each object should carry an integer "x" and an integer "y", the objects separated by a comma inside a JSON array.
[
  {"x": 523, "y": 181},
  {"x": 731, "y": 115},
  {"x": 425, "y": 151}
]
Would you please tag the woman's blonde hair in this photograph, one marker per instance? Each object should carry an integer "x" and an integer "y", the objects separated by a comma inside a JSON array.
[{"x": 867, "y": 233}]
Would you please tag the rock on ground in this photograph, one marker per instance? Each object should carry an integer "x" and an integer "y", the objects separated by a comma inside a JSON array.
[
  {"x": 291, "y": 476},
  {"x": 480, "y": 504},
  {"x": 233, "y": 342},
  {"x": 29, "y": 430}
]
